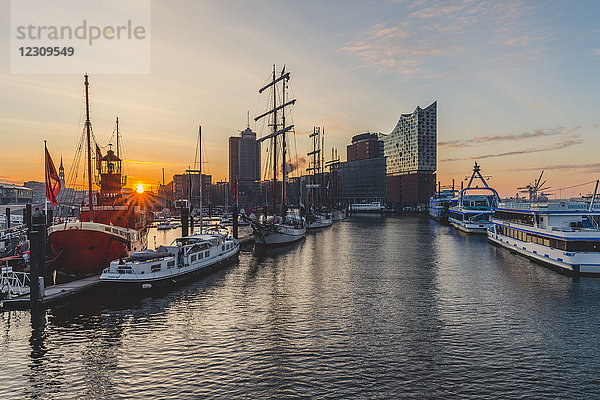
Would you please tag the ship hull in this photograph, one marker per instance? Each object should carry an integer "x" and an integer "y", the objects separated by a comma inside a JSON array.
[
  {"x": 81, "y": 252},
  {"x": 279, "y": 236}
]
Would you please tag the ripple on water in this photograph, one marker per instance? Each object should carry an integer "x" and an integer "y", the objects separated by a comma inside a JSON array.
[{"x": 370, "y": 308}]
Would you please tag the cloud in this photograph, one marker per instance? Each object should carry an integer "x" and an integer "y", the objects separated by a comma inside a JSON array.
[
  {"x": 595, "y": 167},
  {"x": 469, "y": 34},
  {"x": 562, "y": 144},
  {"x": 596, "y": 52},
  {"x": 454, "y": 144}
]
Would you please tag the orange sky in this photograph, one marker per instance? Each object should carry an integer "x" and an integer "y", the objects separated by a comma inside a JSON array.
[{"x": 516, "y": 87}]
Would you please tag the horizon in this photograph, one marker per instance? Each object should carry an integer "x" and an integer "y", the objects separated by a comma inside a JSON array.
[{"x": 514, "y": 82}]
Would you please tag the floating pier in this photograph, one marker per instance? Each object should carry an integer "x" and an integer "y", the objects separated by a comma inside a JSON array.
[{"x": 51, "y": 295}]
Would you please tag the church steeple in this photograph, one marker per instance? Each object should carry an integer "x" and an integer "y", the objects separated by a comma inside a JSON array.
[{"x": 61, "y": 172}]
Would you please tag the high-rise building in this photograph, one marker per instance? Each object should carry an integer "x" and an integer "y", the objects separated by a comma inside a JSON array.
[
  {"x": 244, "y": 157},
  {"x": 362, "y": 178},
  {"x": 411, "y": 158},
  {"x": 366, "y": 145}
]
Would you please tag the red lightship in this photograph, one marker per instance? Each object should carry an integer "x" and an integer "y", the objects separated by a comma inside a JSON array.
[{"x": 112, "y": 228}]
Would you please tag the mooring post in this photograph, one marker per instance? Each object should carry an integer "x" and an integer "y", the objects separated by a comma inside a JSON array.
[
  {"x": 576, "y": 272},
  {"x": 235, "y": 221},
  {"x": 192, "y": 220},
  {"x": 185, "y": 219},
  {"x": 38, "y": 250},
  {"x": 27, "y": 217}
]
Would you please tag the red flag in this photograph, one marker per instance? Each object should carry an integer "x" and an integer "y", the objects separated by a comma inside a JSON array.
[
  {"x": 98, "y": 158},
  {"x": 52, "y": 180}
]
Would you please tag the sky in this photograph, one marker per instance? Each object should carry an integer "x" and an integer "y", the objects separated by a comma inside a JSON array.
[{"x": 516, "y": 82}]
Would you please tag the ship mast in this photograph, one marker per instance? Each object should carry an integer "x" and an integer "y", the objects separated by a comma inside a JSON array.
[
  {"x": 283, "y": 170},
  {"x": 89, "y": 151},
  {"x": 285, "y": 76},
  {"x": 274, "y": 143},
  {"x": 118, "y": 154}
]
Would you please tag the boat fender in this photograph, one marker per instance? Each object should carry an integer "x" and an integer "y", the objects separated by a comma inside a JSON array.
[{"x": 146, "y": 285}]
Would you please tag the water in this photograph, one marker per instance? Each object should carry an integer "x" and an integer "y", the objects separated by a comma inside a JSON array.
[{"x": 369, "y": 308}]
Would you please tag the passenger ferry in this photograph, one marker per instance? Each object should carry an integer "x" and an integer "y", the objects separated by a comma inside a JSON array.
[
  {"x": 471, "y": 209},
  {"x": 372, "y": 207},
  {"x": 439, "y": 204},
  {"x": 561, "y": 234},
  {"x": 186, "y": 256}
]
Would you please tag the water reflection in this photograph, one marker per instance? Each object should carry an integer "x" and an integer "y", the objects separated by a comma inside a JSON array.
[{"x": 385, "y": 307}]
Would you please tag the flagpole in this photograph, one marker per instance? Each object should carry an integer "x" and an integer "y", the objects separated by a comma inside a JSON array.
[{"x": 46, "y": 182}]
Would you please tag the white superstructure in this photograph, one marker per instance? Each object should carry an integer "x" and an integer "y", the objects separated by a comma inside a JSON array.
[
  {"x": 563, "y": 234},
  {"x": 471, "y": 209},
  {"x": 185, "y": 256}
]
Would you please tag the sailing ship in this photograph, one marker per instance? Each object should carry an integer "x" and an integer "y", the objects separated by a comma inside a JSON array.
[
  {"x": 112, "y": 228},
  {"x": 471, "y": 209},
  {"x": 316, "y": 217},
  {"x": 282, "y": 228}
]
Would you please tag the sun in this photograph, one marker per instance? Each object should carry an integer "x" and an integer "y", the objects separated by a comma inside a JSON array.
[{"x": 140, "y": 188}]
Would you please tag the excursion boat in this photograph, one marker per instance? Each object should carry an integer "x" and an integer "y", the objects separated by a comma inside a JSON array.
[
  {"x": 374, "y": 206},
  {"x": 471, "y": 209},
  {"x": 561, "y": 234},
  {"x": 111, "y": 228},
  {"x": 184, "y": 258},
  {"x": 283, "y": 228},
  {"x": 439, "y": 204}
]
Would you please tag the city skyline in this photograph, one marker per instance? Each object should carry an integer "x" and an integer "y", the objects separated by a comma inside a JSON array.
[{"x": 514, "y": 82}]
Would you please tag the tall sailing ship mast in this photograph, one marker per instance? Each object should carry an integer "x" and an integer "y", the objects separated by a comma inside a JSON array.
[{"x": 283, "y": 228}]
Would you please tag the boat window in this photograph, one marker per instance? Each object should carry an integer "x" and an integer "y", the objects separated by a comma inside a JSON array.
[
  {"x": 200, "y": 256},
  {"x": 155, "y": 268},
  {"x": 193, "y": 258},
  {"x": 170, "y": 264},
  {"x": 206, "y": 253}
]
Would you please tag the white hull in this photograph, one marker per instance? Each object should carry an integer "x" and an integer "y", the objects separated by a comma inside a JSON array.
[
  {"x": 320, "y": 222},
  {"x": 468, "y": 227},
  {"x": 589, "y": 263},
  {"x": 338, "y": 215},
  {"x": 277, "y": 235},
  {"x": 171, "y": 265}
]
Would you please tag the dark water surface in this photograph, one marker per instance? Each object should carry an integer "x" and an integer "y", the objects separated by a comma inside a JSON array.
[{"x": 370, "y": 308}]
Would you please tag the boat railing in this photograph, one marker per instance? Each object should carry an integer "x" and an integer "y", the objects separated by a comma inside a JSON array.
[{"x": 13, "y": 282}]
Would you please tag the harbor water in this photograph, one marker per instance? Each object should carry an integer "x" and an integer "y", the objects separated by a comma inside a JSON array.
[{"x": 370, "y": 308}]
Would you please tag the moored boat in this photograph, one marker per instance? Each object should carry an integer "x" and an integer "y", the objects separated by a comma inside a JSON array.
[
  {"x": 111, "y": 228},
  {"x": 373, "y": 207},
  {"x": 470, "y": 210},
  {"x": 184, "y": 258},
  {"x": 439, "y": 204},
  {"x": 563, "y": 234},
  {"x": 282, "y": 228},
  {"x": 318, "y": 221}
]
